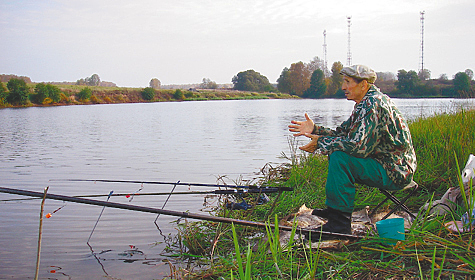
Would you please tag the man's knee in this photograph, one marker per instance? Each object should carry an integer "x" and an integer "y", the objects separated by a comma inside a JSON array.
[{"x": 339, "y": 157}]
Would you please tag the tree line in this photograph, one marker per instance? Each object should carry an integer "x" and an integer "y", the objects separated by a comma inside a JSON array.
[
  {"x": 313, "y": 80},
  {"x": 306, "y": 80}
]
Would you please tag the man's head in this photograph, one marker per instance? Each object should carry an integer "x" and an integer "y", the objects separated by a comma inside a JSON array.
[
  {"x": 360, "y": 72},
  {"x": 357, "y": 80}
]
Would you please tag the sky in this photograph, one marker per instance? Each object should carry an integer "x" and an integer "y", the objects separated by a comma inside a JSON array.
[{"x": 184, "y": 41}]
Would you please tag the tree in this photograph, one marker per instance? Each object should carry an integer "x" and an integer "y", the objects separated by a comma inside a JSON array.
[
  {"x": 207, "y": 83},
  {"x": 318, "y": 86},
  {"x": 251, "y": 80},
  {"x": 386, "y": 76},
  {"x": 469, "y": 72},
  {"x": 283, "y": 82},
  {"x": 148, "y": 93},
  {"x": 424, "y": 74},
  {"x": 407, "y": 81},
  {"x": 299, "y": 78},
  {"x": 94, "y": 80},
  {"x": 461, "y": 82},
  {"x": 84, "y": 94},
  {"x": 155, "y": 83},
  {"x": 443, "y": 77},
  {"x": 3, "y": 93},
  {"x": 178, "y": 95},
  {"x": 18, "y": 94},
  {"x": 47, "y": 92},
  {"x": 336, "y": 79},
  {"x": 316, "y": 63}
]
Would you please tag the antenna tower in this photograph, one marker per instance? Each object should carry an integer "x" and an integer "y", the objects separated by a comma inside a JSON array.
[
  {"x": 325, "y": 65},
  {"x": 422, "y": 42},
  {"x": 348, "y": 61}
]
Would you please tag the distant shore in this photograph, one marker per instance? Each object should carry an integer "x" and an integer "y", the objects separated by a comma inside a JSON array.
[{"x": 117, "y": 95}]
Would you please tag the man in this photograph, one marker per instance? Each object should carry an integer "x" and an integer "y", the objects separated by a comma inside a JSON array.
[{"x": 373, "y": 147}]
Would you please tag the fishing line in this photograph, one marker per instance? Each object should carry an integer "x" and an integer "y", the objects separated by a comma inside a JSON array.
[
  {"x": 98, "y": 218},
  {"x": 165, "y": 203},
  {"x": 89, "y": 245}
]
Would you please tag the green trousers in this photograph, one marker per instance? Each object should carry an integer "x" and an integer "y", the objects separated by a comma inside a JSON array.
[{"x": 344, "y": 171}]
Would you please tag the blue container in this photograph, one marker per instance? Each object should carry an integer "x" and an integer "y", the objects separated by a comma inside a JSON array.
[{"x": 391, "y": 229}]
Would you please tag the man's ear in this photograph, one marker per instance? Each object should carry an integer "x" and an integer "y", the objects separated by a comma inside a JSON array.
[{"x": 365, "y": 84}]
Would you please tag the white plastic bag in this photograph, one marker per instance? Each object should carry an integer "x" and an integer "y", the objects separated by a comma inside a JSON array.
[{"x": 469, "y": 171}]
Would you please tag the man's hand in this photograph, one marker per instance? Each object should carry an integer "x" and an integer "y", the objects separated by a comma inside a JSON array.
[
  {"x": 302, "y": 127},
  {"x": 312, "y": 145}
]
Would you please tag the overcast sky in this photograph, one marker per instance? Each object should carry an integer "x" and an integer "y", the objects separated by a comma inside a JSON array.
[{"x": 182, "y": 42}]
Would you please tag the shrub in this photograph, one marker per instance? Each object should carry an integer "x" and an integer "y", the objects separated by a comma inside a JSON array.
[
  {"x": 44, "y": 91},
  {"x": 189, "y": 94},
  {"x": 3, "y": 93},
  {"x": 178, "y": 95},
  {"x": 64, "y": 98},
  {"x": 119, "y": 97},
  {"x": 148, "y": 93},
  {"x": 84, "y": 94},
  {"x": 47, "y": 100},
  {"x": 94, "y": 99},
  {"x": 18, "y": 92},
  {"x": 107, "y": 99}
]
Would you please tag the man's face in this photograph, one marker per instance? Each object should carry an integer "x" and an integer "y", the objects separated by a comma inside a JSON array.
[{"x": 353, "y": 90}]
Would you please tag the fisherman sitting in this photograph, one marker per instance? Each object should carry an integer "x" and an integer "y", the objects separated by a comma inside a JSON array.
[{"x": 373, "y": 147}]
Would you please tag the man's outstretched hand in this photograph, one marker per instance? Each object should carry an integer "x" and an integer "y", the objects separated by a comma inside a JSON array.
[
  {"x": 302, "y": 127},
  {"x": 305, "y": 128}
]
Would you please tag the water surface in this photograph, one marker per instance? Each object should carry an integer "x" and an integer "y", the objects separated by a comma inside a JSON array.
[{"x": 195, "y": 142}]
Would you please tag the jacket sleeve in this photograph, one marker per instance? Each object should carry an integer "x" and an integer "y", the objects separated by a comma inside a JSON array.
[
  {"x": 339, "y": 131},
  {"x": 361, "y": 137}
]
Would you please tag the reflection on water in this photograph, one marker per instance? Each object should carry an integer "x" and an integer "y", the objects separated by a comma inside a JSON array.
[{"x": 183, "y": 141}]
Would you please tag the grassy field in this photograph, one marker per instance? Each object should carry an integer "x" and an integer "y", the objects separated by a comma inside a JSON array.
[{"x": 430, "y": 251}]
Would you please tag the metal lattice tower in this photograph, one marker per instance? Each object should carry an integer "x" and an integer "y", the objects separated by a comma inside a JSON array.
[
  {"x": 421, "y": 66},
  {"x": 348, "y": 61},
  {"x": 325, "y": 65}
]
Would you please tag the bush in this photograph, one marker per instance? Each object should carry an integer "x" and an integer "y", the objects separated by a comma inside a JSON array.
[
  {"x": 18, "y": 92},
  {"x": 178, "y": 95},
  {"x": 188, "y": 94},
  {"x": 148, "y": 93},
  {"x": 64, "y": 98},
  {"x": 94, "y": 99},
  {"x": 107, "y": 99},
  {"x": 84, "y": 94},
  {"x": 3, "y": 93},
  {"x": 47, "y": 91}
]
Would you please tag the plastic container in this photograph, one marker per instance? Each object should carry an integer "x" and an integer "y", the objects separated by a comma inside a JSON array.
[{"x": 391, "y": 230}]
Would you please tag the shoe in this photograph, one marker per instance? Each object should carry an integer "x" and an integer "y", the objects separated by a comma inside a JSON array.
[
  {"x": 338, "y": 222},
  {"x": 322, "y": 213}
]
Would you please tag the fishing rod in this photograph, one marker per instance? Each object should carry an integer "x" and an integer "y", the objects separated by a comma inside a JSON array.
[
  {"x": 170, "y": 183},
  {"x": 170, "y": 212},
  {"x": 228, "y": 192}
]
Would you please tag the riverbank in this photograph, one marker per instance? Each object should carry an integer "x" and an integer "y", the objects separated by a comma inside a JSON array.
[
  {"x": 69, "y": 95},
  {"x": 443, "y": 144}
]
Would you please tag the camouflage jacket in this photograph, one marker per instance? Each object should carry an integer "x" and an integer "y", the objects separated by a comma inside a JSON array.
[{"x": 375, "y": 129}]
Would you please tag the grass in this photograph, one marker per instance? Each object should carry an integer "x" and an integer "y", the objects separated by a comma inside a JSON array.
[{"x": 430, "y": 251}]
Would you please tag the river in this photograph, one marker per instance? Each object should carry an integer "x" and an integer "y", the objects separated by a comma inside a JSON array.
[{"x": 192, "y": 142}]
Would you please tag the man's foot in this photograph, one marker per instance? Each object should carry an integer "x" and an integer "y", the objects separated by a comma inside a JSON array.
[
  {"x": 322, "y": 213},
  {"x": 338, "y": 222}
]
